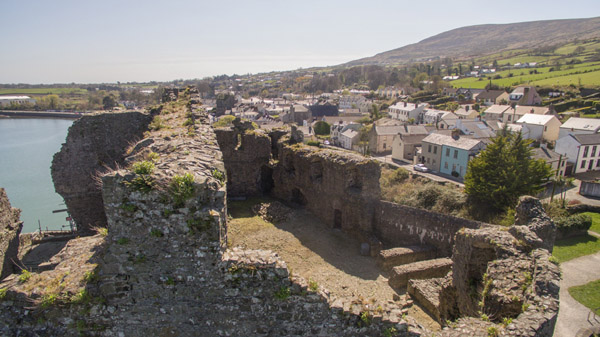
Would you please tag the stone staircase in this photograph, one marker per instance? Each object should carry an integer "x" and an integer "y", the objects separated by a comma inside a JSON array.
[{"x": 414, "y": 262}]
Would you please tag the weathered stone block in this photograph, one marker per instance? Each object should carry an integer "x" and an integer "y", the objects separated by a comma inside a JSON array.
[
  {"x": 419, "y": 270},
  {"x": 389, "y": 258},
  {"x": 10, "y": 228}
]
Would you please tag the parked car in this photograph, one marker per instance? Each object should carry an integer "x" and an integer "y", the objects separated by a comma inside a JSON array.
[{"x": 421, "y": 168}]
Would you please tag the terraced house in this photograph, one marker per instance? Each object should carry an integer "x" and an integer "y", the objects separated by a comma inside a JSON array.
[{"x": 449, "y": 154}]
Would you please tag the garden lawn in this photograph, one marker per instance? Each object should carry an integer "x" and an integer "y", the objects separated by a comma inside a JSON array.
[
  {"x": 595, "y": 221},
  {"x": 570, "y": 248},
  {"x": 588, "y": 295}
]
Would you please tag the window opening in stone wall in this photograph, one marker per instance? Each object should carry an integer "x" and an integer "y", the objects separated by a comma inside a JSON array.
[
  {"x": 298, "y": 197},
  {"x": 337, "y": 219}
]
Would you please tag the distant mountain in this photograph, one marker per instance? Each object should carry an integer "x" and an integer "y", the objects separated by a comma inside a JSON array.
[{"x": 488, "y": 39}]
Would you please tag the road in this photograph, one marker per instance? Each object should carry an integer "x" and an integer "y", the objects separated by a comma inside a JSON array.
[{"x": 409, "y": 166}]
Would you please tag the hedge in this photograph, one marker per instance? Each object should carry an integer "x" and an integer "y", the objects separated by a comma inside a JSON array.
[{"x": 573, "y": 225}]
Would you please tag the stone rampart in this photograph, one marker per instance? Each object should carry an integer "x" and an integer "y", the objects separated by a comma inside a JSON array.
[
  {"x": 399, "y": 225},
  {"x": 10, "y": 228},
  {"x": 341, "y": 188},
  {"x": 94, "y": 144}
]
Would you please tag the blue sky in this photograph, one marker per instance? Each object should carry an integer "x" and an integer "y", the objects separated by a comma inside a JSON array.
[{"x": 67, "y": 41}]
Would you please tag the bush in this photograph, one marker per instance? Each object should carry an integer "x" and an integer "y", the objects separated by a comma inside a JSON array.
[
  {"x": 399, "y": 175},
  {"x": 573, "y": 225},
  {"x": 181, "y": 188},
  {"x": 224, "y": 121},
  {"x": 313, "y": 143},
  {"x": 322, "y": 128}
]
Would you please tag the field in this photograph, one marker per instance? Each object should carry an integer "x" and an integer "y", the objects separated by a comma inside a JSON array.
[
  {"x": 570, "y": 248},
  {"x": 576, "y": 67},
  {"x": 42, "y": 91}
]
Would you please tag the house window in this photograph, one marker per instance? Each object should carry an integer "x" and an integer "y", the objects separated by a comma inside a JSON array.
[
  {"x": 455, "y": 154},
  {"x": 591, "y": 164},
  {"x": 545, "y": 128},
  {"x": 583, "y": 164},
  {"x": 585, "y": 151},
  {"x": 435, "y": 150},
  {"x": 509, "y": 116},
  {"x": 453, "y": 167},
  {"x": 447, "y": 153},
  {"x": 429, "y": 148},
  {"x": 594, "y": 151},
  {"x": 446, "y": 165},
  {"x": 598, "y": 163}
]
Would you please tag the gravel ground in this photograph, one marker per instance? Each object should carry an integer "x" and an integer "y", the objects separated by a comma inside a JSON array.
[{"x": 318, "y": 253}]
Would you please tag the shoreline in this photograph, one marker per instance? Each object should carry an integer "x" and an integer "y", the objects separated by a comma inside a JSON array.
[{"x": 40, "y": 114}]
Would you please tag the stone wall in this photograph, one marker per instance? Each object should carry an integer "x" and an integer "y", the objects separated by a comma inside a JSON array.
[
  {"x": 94, "y": 144},
  {"x": 341, "y": 188},
  {"x": 10, "y": 228},
  {"x": 399, "y": 225},
  {"x": 504, "y": 274},
  {"x": 246, "y": 154}
]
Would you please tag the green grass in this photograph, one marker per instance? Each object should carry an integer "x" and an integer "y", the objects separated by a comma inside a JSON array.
[
  {"x": 588, "y": 295},
  {"x": 42, "y": 91},
  {"x": 570, "y": 248},
  {"x": 587, "y": 79},
  {"x": 595, "y": 221}
]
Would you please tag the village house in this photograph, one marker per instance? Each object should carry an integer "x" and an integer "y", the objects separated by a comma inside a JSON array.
[
  {"x": 449, "y": 154},
  {"x": 491, "y": 97},
  {"x": 436, "y": 117},
  {"x": 355, "y": 102},
  {"x": 583, "y": 151},
  {"x": 541, "y": 127},
  {"x": 381, "y": 137},
  {"x": 466, "y": 112},
  {"x": 390, "y": 92},
  {"x": 404, "y": 111},
  {"x": 556, "y": 161},
  {"x": 474, "y": 128},
  {"x": 525, "y": 95},
  {"x": 406, "y": 141},
  {"x": 298, "y": 114},
  {"x": 349, "y": 137},
  {"x": 579, "y": 126}
]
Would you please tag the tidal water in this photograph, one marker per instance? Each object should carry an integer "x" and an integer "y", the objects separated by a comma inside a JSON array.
[{"x": 26, "y": 149}]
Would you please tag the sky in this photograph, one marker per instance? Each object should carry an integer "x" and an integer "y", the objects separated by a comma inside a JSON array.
[{"x": 64, "y": 41}]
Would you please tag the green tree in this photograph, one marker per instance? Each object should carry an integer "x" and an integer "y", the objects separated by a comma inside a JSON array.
[
  {"x": 109, "y": 102},
  {"x": 322, "y": 128},
  {"x": 503, "y": 172}
]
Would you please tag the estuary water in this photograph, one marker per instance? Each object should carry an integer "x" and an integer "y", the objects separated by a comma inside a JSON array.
[{"x": 26, "y": 149}]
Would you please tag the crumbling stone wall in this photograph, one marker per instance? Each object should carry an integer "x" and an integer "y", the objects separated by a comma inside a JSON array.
[
  {"x": 341, "y": 188},
  {"x": 246, "y": 154},
  {"x": 399, "y": 225},
  {"x": 94, "y": 143},
  {"x": 10, "y": 228},
  {"x": 504, "y": 274}
]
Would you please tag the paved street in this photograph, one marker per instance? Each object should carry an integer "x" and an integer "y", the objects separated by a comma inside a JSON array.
[{"x": 436, "y": 176}]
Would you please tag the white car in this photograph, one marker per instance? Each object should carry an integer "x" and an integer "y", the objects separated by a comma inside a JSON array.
[{"x": 421, "y": 168}]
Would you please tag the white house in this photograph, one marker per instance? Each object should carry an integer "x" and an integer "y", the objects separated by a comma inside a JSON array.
[
  {"x": 348, "y": 138},
  {"x": 404, "y": 111},
  {"x": 541, "y": 127},
  {"x": 579, "y": 126},
  {"x": 16, "y": 100},
  {"x": 556, "y": 161},
  {"x": 474, "y": 128},
  {"x": 581, "y": 150}
]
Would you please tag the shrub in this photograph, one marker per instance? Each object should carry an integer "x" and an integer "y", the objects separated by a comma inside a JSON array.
[
  {"x": 25, "y": 276},
  {"x": 2, "y": 293},
  {"x": 283, "y": 293},
  {"x": 399, "y": 175},
  {"x": 218, "y": 175},
  {"x": 156, "y": 233},
  {"x": 555, "y": 210},
  {"x": 224, "y": 121},
  {"x": 313, "y": 143},
  {"x": 157, "y": 124},
  {"x": 322, "y": 128},
  {"x": 573, "y": 225},
  {"x": 143, "y": 167},
  {"x": 181, "y": 188}
]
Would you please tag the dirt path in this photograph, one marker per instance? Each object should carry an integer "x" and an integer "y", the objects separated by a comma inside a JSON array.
[
  {"x": 317, "y": 253},
  {"x": 572, "y": 315}
]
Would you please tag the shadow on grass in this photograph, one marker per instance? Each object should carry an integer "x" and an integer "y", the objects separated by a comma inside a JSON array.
[{"x": 570, "y": 248}]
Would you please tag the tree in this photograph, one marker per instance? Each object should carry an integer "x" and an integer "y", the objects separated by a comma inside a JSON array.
[
  {"x": 322, "y": 128},
  {"x": 363, "y": 139},
  {"x": 503, "y": 172},
  {"x": 109, "y": 102}
]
